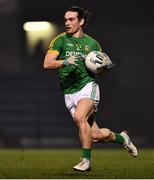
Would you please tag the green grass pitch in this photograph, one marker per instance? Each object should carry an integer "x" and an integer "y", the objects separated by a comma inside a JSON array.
[{"x": 58, "y": 163}]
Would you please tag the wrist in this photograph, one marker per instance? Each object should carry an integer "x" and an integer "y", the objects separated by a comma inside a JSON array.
[
  {"x": 65, "y": 62},
  {"x": 109, "y": 66}
]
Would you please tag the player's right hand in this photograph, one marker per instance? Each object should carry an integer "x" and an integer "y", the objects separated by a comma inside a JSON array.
[{"x": 71, "y": 60}]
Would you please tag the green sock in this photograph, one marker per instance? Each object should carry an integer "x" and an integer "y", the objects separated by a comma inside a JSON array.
[
  {"x": 119, "y": 139},
  {"x": 86, "y": 153}
]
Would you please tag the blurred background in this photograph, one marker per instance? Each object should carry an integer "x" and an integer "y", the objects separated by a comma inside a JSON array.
[{"x": 32, "y": 109}]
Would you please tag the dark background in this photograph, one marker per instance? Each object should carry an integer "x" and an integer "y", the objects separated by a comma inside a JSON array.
[{"x": 32, "y": 110}]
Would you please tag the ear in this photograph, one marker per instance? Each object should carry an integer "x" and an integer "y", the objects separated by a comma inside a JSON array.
[{"x": 81, "y": 22}]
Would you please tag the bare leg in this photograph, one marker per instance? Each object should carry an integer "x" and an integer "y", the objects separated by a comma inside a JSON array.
[
  {"x": 83, "y": 110},
  {"x": 101, "y": 134},
  {"x": 82, "y": 113}
]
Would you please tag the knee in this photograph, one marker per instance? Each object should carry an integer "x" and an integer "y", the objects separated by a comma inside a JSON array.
[
  {"x": 78, "y": 119},
  {"x": 80, "y": 122}
]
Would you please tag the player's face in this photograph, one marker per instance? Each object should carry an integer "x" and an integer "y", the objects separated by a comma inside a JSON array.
[{"x": 72, "y": 22}]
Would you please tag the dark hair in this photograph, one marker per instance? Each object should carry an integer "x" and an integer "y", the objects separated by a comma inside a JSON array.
[{"x": 82, "y": 13}]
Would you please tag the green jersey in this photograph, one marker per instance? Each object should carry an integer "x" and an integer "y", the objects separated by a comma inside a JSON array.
[{"x": 74, "y": 78}]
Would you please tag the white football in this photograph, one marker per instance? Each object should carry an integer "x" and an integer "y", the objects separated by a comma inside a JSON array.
[{"x": 96, "y": 60}]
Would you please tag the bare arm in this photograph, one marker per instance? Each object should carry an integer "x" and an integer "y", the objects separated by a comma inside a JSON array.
[{"x": 50, "y": 61}]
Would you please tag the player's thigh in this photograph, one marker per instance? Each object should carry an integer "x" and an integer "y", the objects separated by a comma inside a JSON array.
[{"x": 84, "y": 109}]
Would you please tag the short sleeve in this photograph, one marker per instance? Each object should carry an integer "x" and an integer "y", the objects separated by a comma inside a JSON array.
[{"x": 56, "y": 45}]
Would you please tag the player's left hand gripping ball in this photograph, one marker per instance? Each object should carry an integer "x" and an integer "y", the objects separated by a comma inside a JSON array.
[{"x": 107, "y": 61}]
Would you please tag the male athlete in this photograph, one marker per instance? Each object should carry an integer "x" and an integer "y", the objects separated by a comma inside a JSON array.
[{"x": 81, "y": 92}]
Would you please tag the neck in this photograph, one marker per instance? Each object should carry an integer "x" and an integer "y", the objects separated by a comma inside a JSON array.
[{"x": 78, "y": 34}]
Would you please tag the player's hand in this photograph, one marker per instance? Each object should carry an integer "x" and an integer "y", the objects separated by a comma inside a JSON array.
[
  {"x": 100, "y": 58},
  {"x": 111, "y": 65},
  {"x": 107, "y": 61},
  {"x": 81, "y": 57},
  {"x": 71, "y": 61}
]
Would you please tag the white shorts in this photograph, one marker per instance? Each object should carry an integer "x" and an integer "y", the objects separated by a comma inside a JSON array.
[{"x": 90, "y": 90}]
